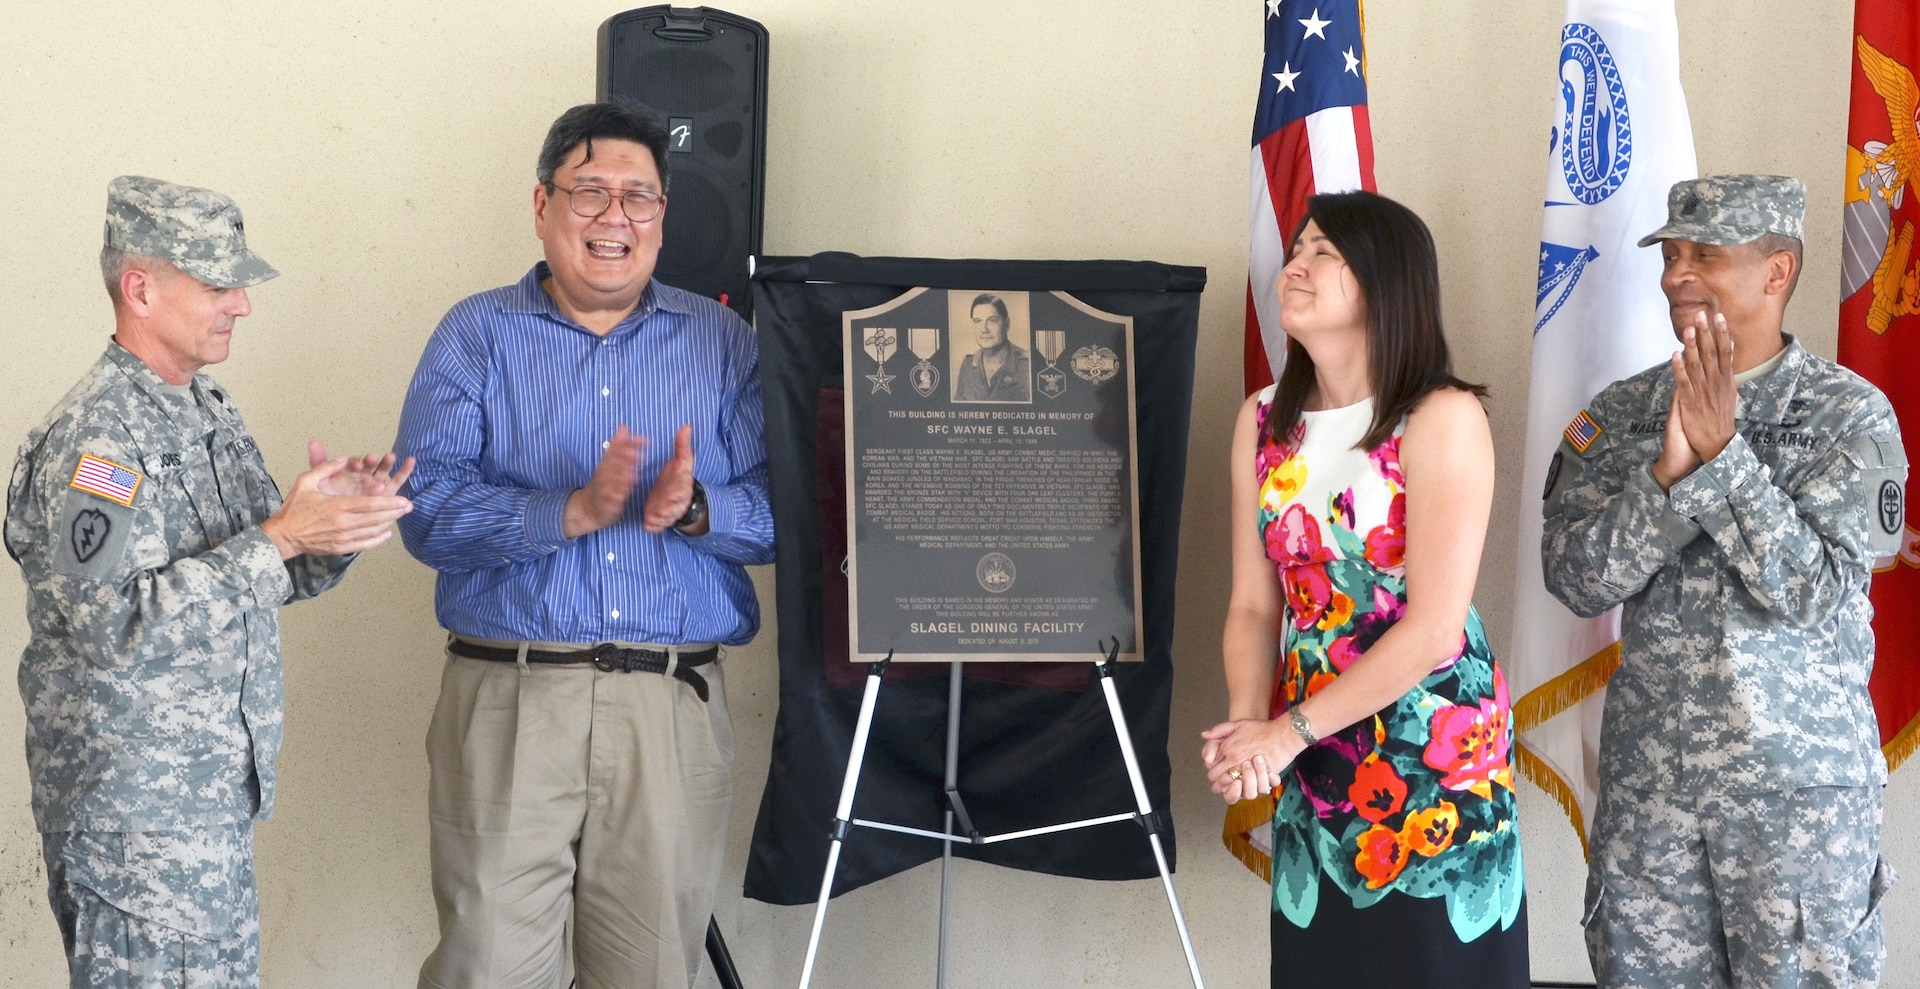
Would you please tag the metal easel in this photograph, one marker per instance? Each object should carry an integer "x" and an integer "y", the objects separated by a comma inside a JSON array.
[{"x": 1153, "y": 822}]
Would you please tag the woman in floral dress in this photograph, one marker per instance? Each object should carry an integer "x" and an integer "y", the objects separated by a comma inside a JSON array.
[{"x": 1361, "y": 688}]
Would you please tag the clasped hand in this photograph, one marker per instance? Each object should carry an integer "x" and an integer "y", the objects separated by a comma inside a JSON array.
[
  {"x": 1244, "y": 759},
  {"x": 1700, "y": 419},
  {"x": 340, "y": 505}
]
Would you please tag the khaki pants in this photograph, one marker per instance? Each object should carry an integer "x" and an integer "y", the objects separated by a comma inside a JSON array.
[{"x": 564, "y": 790}]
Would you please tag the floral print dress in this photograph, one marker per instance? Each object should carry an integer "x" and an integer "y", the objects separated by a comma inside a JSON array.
[{"x": 1418, "y": 799}]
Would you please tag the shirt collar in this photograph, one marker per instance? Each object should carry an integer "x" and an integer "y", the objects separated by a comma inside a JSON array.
[
  {"x": 526, "y": 296},
  {"x": 180, "y": 409},
  {"x": 1769, "y": 398}
]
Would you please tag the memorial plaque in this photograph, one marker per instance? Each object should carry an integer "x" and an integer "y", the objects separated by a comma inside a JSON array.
[{"x": 992, "y": 507}]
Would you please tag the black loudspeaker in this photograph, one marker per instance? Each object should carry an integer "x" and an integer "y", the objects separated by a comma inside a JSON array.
[{"x": 704, "y": 70}]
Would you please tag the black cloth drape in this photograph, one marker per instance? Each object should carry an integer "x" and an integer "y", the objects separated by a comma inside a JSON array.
[{"x": 1036, "y": 744}]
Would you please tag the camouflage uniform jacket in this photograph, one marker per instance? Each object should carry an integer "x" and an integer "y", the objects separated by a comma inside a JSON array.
[
  {"x": 1745, "y": 639},
  {"x": 152, "y": 672}
]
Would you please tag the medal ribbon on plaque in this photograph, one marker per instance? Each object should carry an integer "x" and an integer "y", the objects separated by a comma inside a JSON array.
[
  {"x": 881, "y": 343},
  {"x": 924, "y": 343},
  {"x": 1051, "y": 344}
]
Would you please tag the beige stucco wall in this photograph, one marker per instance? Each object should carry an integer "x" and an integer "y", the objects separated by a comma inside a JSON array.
[{"x": 383, "y": 151}]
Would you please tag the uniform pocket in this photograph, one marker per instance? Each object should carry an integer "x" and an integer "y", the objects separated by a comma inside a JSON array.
[
  {"x": 1596, "y": 898},
  {"x": 1842, "y": 943},
  {"x": 198, "y": 881}
]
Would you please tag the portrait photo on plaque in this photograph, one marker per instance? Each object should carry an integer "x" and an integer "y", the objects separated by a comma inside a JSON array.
[
  {"x": 992, "y": 347},
  {"x": 999, "y": 528}
]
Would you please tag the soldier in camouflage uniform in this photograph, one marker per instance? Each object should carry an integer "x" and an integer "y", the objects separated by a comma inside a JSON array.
[
  {"x": 1734, "y": 503},
  {"x": 156, "y": 551}
]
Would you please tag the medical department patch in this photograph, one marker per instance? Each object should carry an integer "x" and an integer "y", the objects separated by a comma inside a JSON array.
[{"x": 106, "y": 479}]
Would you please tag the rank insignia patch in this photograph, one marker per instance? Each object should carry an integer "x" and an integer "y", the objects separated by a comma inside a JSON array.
[
  {"x": 1582, "y": 431},
  {"x": 106, "y": 479}
]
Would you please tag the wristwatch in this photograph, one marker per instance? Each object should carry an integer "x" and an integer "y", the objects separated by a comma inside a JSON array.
[
  {"x": 696, "y": 509},
  {"x": 1300, "y": 726}
]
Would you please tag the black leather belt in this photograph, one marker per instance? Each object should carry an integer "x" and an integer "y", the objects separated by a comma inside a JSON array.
[{"x": 606, "y": 657}]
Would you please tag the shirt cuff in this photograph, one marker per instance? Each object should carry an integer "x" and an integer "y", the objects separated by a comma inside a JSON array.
[
  {"x": 257, "y": 556},
  {"x": 1712, "y": 482},
  {"x": 544, "y": 520},
  {"x": 1670, "y": 524},
  {"x": 723, "y": 510}
]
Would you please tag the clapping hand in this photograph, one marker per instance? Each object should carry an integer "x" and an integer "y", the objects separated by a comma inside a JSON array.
[
  {"x": 672, "y": 491},
  {"x": 1703, "y": 386},
  {"x": 365, "y": 475},
  {"x": 339, "y": 506},
  {"x": 1700, "y": 419}
]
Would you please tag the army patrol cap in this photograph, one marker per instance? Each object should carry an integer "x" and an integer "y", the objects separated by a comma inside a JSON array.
[
  {"x": 200, "y": 231},
  {"x": 1732, "y": 209}
]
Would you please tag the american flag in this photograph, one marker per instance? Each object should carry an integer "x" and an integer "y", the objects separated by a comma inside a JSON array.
[
  {"x": 1581, "y": 431},
  {"x": 106, "y": 479},
  {"x": 1310, "y": 135}
]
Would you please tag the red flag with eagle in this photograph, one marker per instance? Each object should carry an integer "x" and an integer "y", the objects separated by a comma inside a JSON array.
[
  {"x": 1880, "y": 316},
  {"x": 1310, "y": 134}
]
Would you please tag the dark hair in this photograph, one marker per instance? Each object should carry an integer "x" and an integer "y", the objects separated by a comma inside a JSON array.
[
  {"x": 1390, "y": 252},
  {"x": 988, "y": 299},
  {"x": 612, "y": 118}
]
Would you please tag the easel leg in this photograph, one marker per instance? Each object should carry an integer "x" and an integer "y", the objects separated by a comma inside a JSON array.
[
  {"x": 722, "y": 959},
  {"x": 843, "y": 813},
  {"x": 1145, "y": 808},
  {"x": 952, "y": 788}
]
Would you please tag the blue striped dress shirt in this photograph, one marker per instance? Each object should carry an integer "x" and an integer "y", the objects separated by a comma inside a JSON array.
[{"x": 509, "y": 412}]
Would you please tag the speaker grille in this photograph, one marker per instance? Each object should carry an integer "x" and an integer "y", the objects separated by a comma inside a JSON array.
[
  {"x": 689, "y": 79},
  {"x": 701, "y": 231},
  {"x": 707, "y": 67}
]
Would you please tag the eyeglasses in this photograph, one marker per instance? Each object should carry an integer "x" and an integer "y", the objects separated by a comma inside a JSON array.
[{"x": 591, "y": 201}]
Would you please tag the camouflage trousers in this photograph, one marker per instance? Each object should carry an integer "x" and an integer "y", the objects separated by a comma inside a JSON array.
[
  {"x": 1775, "y": 890},
  {"x": 157, "y": 909}
]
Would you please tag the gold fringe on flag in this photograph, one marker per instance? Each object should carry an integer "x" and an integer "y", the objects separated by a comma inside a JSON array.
[
  {"x": 1543, "y": 776},
  {"x": 1245, "y": 816},
  {"x": 1902, "y": 745},
  {"x": 1540, "y": 705},
  {"x": 1564, "y": 691}
]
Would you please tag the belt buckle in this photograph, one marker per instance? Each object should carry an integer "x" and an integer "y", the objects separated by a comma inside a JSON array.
[{"x": 606, "y": 657}]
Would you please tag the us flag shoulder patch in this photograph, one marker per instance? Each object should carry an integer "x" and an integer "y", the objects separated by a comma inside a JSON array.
[
  {"x": 106, "y": 479},
  {"x": 1582, "y": 431}
]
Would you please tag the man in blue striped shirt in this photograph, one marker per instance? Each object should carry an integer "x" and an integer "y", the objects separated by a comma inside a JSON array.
[{"x": 591, "y": 485}]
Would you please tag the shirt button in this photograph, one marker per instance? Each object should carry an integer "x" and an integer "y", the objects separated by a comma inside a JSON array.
[
  {"x": 609, "y": 557},
  {"x": 606, "y": 391},
  {"x": 615, "y": 613},
  {"x": 605, "y": 443}
]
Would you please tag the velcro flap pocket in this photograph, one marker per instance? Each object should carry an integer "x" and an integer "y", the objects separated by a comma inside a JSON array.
[
  {"x": 1830, "y": 914},
  {"x": 175, "y": 879}
]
